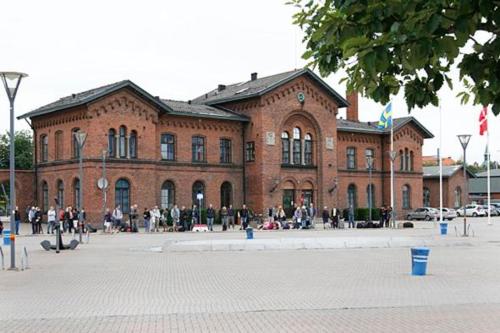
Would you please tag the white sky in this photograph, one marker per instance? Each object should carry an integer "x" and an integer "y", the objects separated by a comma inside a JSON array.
[{"x": 179, "y": 50}]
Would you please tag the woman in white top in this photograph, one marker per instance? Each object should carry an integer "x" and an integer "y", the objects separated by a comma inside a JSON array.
[{"x": 51, "y": 220}]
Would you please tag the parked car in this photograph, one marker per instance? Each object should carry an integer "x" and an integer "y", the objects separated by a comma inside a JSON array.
[
  {"x": 423, "y": 213},
  {"x": 492, "y": 210},
  {"x": 471, "y": 210},
  {"x": 497, "y": 206},
  {"x": 449, "y": 214}
]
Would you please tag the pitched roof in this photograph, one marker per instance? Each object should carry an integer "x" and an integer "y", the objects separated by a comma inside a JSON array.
[
  {"x": 201, "y": 110},
  {"x": 88, "y": 96},
  {"x": 371, "y": 126},
  {"x": 433, "y": 171},
  {"x": 260, "y": 86},
  {"x": 480, "y": 185},
  {"x": 493, "y": 173}
]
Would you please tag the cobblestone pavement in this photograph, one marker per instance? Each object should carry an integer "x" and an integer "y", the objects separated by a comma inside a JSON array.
[{"x": 117, "y": 284}]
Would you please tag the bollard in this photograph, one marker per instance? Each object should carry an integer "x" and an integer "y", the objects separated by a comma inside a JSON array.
[
  {"x": 419, "y": 256},
  {"x": 444, "y": 228},
  {"x": 1, "y": 255},
  {"x": 26, "y": 258},
  {"x": 249, "y": 232},
  {"x": 6, "y": 237},
  {"x": 88, "y": 236}
]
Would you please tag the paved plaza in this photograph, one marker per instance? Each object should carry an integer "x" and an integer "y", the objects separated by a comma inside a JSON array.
[{"x": 356, "y": 281}]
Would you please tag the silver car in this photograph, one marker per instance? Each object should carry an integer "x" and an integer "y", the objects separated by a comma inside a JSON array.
[
  {"x": 423, "y": 213},
  {"x": 492, "y": 211},
  {"x": 449, "y": 214}
]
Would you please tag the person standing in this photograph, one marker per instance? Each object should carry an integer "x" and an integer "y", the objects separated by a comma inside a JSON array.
[
  {"x": 165, "y": 219},
  {"x": 17, "y": 219},
  {"x": 31, "y": 218},
  {"x": 335, "y": 217},
  {"x": 133, "y": 218},
  {"x": 195, "y": 215},
  {"x": 388, "y": 217},
  {"x": 108, "y": 221},
  {"x": 75, "y": 222},
  {"x": 210, "y": 217},
  {"x": 243, "y": 215},
  {"x": 224, "y": 218},
  {"x": 184, "y": 217},
  {"x": 325, "y": 215},
  {"x": 351, "y": 217},
  {"x": 117, "y": 218},
  {"x": 155, "y": 219},
  {"x": 297, "y": 218},
  {"x": 51, "y": 220},
  {"x": 146, "y": 215},
  {"x": 175, "y": 214},
  {"x": 230, "y": 217},
  {"x": 311, "y": 213}
]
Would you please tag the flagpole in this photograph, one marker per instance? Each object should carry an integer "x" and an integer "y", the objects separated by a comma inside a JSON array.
[
  {"x": 488, "y": 168},
  {"x": 440, "y": 150},
  {"x": 392, "y": 156}
]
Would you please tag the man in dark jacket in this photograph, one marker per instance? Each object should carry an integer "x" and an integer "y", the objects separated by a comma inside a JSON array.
[
  {"x": 244, "y": 215},
  {"x": 210, "y": 217}
]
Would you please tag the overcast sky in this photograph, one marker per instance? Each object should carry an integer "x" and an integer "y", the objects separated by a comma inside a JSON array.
[{"x": 179, "y": 50}]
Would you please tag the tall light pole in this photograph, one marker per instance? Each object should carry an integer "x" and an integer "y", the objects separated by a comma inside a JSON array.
[
  {"x": 369, "y": 164},
  {"x": 103, "y": 184},
  {"x": 80, "y": 140},
  {"x": 11, "y": 82},
  {"x": 464, "y": 141}
]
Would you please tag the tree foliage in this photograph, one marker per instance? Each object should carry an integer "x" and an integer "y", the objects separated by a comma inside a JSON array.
[
  {"x": 23, "y": 142},
  {"x": 388, "y": 45}
]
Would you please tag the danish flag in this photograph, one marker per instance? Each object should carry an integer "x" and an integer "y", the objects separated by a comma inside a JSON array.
[{"x": 483, "y": 120}]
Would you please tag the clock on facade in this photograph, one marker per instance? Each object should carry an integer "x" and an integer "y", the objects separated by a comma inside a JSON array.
[{"x": 301, "y": 97}]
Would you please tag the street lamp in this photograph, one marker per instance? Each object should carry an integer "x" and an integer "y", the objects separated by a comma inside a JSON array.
[
  {"x": 199, "y": 196},
  {"x": 464, "y": 141},
  {"x": 80, "y": 140},
  {"x": 103, "y": 184},
  {"x": 11, "y": 82},
  {"x": 369, "y": 165}
]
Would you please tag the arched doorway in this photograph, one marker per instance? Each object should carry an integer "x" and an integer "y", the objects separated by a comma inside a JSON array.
[
  {"x": 226, "y": 194},
  {"x": 288, "y": 197}
]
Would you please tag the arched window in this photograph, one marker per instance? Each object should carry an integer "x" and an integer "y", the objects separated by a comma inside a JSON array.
[
  {"x": 407, "y": 160},
  {"x": 167, "y": 194},
  {"x": 297, "y": 146},
  {"x": 401, "y": 160},
  {"x": 122, "y": 195},
  {"x": 427, "y": 197},
  {"x": 198, "y": 187},
  {"x": 352, "y": 199},
  {"x": 167, "y": 147},
  {"x": 59, "y": 145},
  {"x": 370, "y": 195},
  {"x": 285, "y": 148},
  {"x": 76, "y": 148},
  {"x": 406, "y": 197},
  {"x": 45, "y": 196},
  {"x": 122, "y": 142},
  {"x": 411, "y": 161},
  {"x": 44, "y": 148},
  {"x": 132, "y": 144},
  {"x": 112, "y": 143},
  {"x": 458, "y": 197},
  {"x": 308, "y": 150},
  {"x": 226, "y": 194},
  {"x": 198, "y": 149},
  {"x": 76, "y": 193},
  {"x": 60, "y": 193}
]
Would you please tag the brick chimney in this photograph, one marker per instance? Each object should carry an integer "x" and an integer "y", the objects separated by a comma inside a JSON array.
[
  {"x": 352, "y": 109},
  {"x": 253, "y": 76}
]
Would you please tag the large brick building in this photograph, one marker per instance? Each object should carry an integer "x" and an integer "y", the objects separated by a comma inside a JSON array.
[{"x": 265, "y": 141}]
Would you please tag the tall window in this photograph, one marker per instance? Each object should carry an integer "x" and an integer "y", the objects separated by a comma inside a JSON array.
[
  {"x": 250, "y": 151},
  {"x": 76, "y": 192},
  {"x": 44, "y": 148},
  {"x": 427, "y": 197},
  {"x": 59, "y": 145},
  {"x": 308, "y": 150},
  {"x": 458, "y": 197},
  {"x": 167, "y": 194},
  {"x": 122, "y": 195},
  {"x": 352, "y": 196},
  {"x": 370, "y": 153},
  {"x": 225, "y": 151},
  {"x": 297, "y": 146},
  {"x": 167, "y": 147},
  {"x": 285, "y": 148},
  {"x": 198, "y": 148},
  {"x": 76, "y": 148},
  {"x": 198, "y": 187},
  {"x": 122, "y": 142},
  {"x": 410, "y": 167},
  {"x": 132, "y": 144},
  {"x": 407, "y": 160},
  {"x": 45, "y": 196},
  {"x": 351, "y": 158},
  {"x": 60, "y": 193},
  {"x": 112, "y": 143},
  {"x": 370, "y": 195},
  {"x": 401, "y": 160},
  {"x": 226, "y": 194},
  {"x": 406, "y": 197}
]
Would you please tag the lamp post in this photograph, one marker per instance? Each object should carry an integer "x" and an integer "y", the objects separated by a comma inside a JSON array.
[
  {"x": 199, "y": 196},
  {"x": 11, "y": 82},
  {"x": 464, "y": 141},
  {"x": 369, "y": 165},
  {"x": 80, "y": 140},
  {"x": 103, "y": 184}
]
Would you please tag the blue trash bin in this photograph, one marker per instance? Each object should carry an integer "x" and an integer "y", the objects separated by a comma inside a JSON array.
[
  {"x": 6, "y": 237},
  {"x": 249, "y": 233},
  {"x": 444, "y": 228},
  {"x": 419, "y": 256}
]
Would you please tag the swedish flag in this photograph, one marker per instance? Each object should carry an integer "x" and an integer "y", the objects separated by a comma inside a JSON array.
[{"x": 386, "y": 117}]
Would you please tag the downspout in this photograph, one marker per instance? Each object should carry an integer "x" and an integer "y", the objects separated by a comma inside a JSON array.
[
  {"x": 35, "y": 166},
  {"x": 244, "y": 161}
]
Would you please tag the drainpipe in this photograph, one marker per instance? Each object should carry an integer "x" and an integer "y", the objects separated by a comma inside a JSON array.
[
  {"x": 244, "y": 161},
  {"x": 35, "y": 166}
]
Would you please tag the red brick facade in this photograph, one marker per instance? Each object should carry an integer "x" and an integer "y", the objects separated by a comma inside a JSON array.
[{"x": 300, "y": 107}]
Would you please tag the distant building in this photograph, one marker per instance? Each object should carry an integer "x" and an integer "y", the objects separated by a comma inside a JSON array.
[
  {"x": 433, "y": 160},
  {"x": 478, "y": 187},
  {"x": 453, "y": 186}
]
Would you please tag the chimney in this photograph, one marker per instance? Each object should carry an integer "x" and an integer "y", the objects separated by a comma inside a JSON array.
[
  {"x": 253, "y": 76},
  {"x": 352, "y": 109},
  {"x": 221, "y": 87},
  {"x": 189, "y": 102}
]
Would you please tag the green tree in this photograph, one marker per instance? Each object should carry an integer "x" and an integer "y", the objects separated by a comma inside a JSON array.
[
  {"x": 23, "y": 142},
  {"x": 386, "y": 45}
]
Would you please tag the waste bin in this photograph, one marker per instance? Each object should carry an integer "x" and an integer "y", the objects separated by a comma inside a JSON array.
[
  {"x": 6, "y": 237},
  {"x": 249, "y": 231},
  {"x": 419, "y": 256},
  {"x": 444, "y": 228}
]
